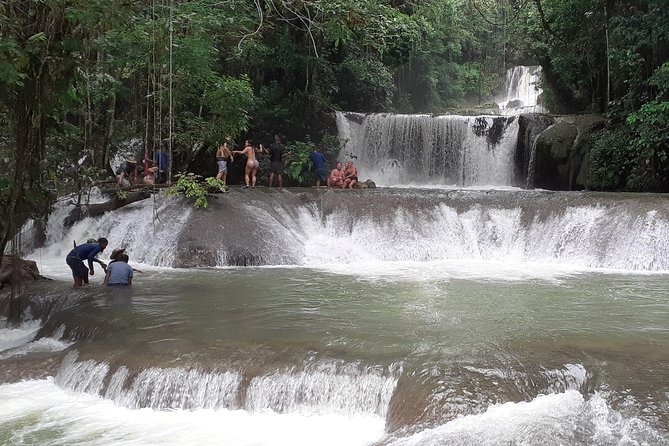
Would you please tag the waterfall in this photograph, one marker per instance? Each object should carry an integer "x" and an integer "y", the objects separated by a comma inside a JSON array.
[
  {"x": 587, "y": 230},
  {"x": 426, "y": 150},
  {"x": 522, "y": 91}
]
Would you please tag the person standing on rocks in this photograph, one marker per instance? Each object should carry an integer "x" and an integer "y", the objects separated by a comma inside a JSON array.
[
  {"x": 276, "y": 154},
  {"x": 252, "y": 164},
  {"x": 223, "y": 154},
  {"x": 75, "y": 260},
  {"x": 318, "y": 162}
]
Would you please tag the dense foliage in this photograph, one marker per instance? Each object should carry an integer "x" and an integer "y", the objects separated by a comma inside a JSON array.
[
  {"x": 83, "y": 80},
  {"x": 610, "y": 56}
]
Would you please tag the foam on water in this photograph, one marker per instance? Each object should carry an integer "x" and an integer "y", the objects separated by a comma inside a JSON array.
[
  {"x": 12, "y": 337},
  {"x": 41, "y": 412},
  {"x": 20, "y": 341},
  {"x": 555, "y": 419},
  {"x": 454, "y": 237},
  {"x": 445, "y": 270},
  {"x": 134, "y": 227}
]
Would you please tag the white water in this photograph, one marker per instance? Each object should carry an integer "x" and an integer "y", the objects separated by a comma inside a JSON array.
[
  {"x": 556, "y": 419},
  {"x": 40, "y": 408},
  {"x": 44, "y": 413},
  {"x": 581, "y": 237},
  {"x": 20, "y": 341},
  {"x": 326, "y": 389},
  {"x": 422, "y": 149},
  {"x": 91, "y": 402},
  {"x": 147, "y": 230},
  {"x": 522, "y": 90},
  {"x": 439, "y": 241}
]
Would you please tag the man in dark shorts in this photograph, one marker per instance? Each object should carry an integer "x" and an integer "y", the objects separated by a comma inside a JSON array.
[
  {"x": 276, "y": 154},
  {"x": 75, "y": 260},
  {"x": 318, "y": 160}
]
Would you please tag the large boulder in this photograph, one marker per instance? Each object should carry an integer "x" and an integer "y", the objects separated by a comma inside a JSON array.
[
  {"x": 16, "y": 269},
  {"x": 557, "y": 160},
  {"x": 561, "y": 153}
]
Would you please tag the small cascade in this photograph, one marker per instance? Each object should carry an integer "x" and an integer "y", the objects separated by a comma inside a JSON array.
[
  {"x": 348, "y": 389},
  {"x": 147, "y": 230},
  {"x": 522, "y": 91},
  {"x": 429, "y": 150}
]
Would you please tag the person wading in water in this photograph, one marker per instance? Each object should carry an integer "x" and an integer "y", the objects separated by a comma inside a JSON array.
[{"x": 75, "y": 260}]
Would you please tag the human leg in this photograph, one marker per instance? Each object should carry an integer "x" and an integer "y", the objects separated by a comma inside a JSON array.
[
  {"x": 280, "y": 182},
  {"x": 247, "y": 173},
  {"x": 271, "y": 179},
  {"x": 79, "y": 271}
]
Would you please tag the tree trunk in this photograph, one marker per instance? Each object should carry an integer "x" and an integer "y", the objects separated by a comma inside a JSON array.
[{"x": 96, "y": 210}]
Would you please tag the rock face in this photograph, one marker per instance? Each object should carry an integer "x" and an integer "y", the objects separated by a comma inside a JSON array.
[
  {"x": 245, "y": 236},
  {"x": 553, "y": 151},
  {"x": 530, "y": 126},
  {"x": 558, "y": 160},
  {"x": 16, "y": 269}
]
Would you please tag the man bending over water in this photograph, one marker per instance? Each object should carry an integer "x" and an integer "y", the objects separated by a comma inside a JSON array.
[{"x": 75, "y": 260}]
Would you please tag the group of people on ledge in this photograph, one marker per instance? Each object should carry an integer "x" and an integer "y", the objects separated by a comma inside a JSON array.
[
  {"x": 276, "y": 152},
  {"x": 156, "y": 169},
  {"x": 338, "y": 178},
  {"x": 117, "y": 272}
]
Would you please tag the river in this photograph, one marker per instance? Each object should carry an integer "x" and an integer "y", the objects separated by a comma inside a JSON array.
[{"x": 387, "y": 317}]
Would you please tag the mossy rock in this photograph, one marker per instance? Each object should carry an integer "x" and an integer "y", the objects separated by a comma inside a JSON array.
[
  {"x": 557, "y": 141},
  {"x": 554, "y": 164}
]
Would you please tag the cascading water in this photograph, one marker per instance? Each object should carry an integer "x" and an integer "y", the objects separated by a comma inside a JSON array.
[
  {"x": 522, "y": 91},
  {"x": 430, "y": 150},
  {"x": 591, "y": 231},
  {"x": 388, "y": 317}
]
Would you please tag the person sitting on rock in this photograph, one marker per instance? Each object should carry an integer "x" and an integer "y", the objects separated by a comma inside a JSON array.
[
  {"x": 350, "y": 175},
  {"x": 75, "y": 259},
  {"x": 337, "y": 177},
  {"x": 119, "y": 273},
  {"x": 150, "y": 174},
  {"x": 127, "y": 172}
]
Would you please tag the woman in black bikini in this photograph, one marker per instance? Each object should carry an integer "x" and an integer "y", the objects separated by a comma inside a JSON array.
[{"x": 351, "y": 175}]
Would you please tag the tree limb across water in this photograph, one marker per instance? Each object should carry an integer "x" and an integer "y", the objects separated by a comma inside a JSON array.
[{"x": 96, "y": 210}]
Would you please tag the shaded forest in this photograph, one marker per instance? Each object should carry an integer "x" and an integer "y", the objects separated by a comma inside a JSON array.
[{"x": 84, "y": 80}]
